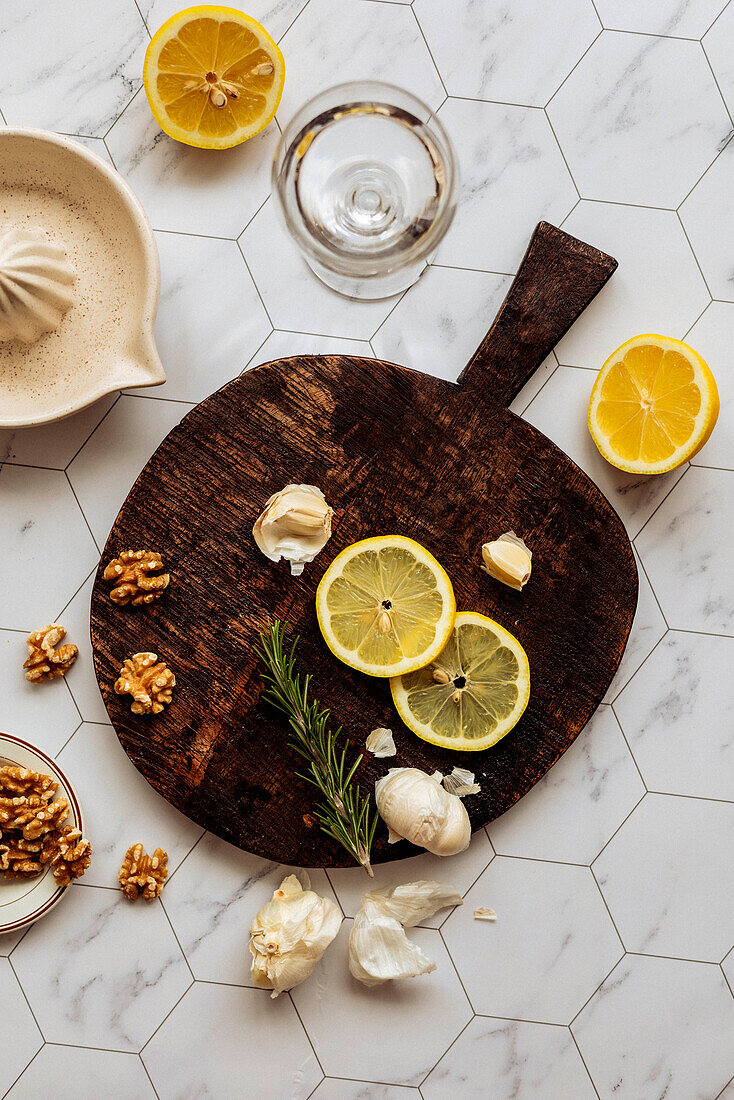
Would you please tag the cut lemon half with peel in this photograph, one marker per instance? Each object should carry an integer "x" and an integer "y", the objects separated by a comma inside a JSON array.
[
  {"x": 213, "y": 77},
  {"x": 472, "y": 693},
  {"x": 653, "y": 406},
  {"x": 385, "y": 606}
]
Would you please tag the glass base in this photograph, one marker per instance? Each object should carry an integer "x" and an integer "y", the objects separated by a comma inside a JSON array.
[{"x": 370, "y": 288}]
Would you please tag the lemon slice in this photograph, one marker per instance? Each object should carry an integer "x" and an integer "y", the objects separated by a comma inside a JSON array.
[
  {"x": 213, "y": 77},
  {"x": 472, "y": 693},
  {"x": 385, "y": 606},
  {"x": 653, "y": 406}
]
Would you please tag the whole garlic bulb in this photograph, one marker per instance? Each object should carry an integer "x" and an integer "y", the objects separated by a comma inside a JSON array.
[
  {"x": 415, "y": 807},
  {"x": 290, "y": 934},
  {"x": 36, "y": 283},
  {"x": 295, "y": 524}
]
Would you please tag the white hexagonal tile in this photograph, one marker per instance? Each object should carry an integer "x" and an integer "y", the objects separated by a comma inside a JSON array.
[
  {"x": 23, "y": 1038},
  {"x": 53, "y": 445},
  {"x": 712, "y": 336},
  {"x": 678, "y": 716},
  {"x": 45, "y": 546},
  {"x": 717, "y": 44},
  {"x": 334, "y": 41},
  {"x": 108, "y": 785},
  {"x": 659, "y": 1028},
  {"x": 656, "y": 288},
  {"x": 275, "y": 15},
  {"x": 667, "y": 877},
  {"x": 550, "y": 947},
  {"x": 332, "y": 1088},
  {"x": 515, "y": 53},
  {"x": 401, "y": 1028},
  {"x": 281, "y": 345},
  {"x": 87, "y": 1074},
  {"x": 293, "y": 296},
  {"x": 221, "y": 1038},
  {"x": 101, "y": 971},
  {"x": 85, "y": 64},
  {"x": 83, "y": 683},
  {"x": 103, "y": 472},
  {"x": 512, "y": 176},
  {"x": 560, "y": 411},
  {"x": 211, "y": 901},
  {"x": 438, "y": 325},
  {"x": 458, "y": 872},
  {"x": 574, "y": 809},
  {"x": 686, "y": 19},
  {"x": 648, "y": 627},
  {"x": 522, "y": 1061},
  {"x": 708, "y": 219},
  {"x": 202, "y": 349},
  {"x": 190, "y": 190},
  {"x": 685, "y": 548},
  {"x": 639, "y": 119},
  {"x": 43, "y": 714}
]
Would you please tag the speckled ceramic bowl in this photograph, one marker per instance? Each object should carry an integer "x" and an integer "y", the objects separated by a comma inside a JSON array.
[{"x": 105, "y": 340}]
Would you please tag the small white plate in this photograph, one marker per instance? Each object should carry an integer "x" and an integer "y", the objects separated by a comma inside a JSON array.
[{"x": 24, "y": 900}]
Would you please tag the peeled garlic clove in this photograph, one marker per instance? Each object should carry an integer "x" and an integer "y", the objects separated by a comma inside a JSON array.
[
  {"x": 295, "y": 524},
  {"x": 461, "y": 783},
  {"x": 381, "y": 743},
  {"x": 415, "y": 807},
  {"x": 379, "y": 950},
  {"x": 508, "y": 560}
]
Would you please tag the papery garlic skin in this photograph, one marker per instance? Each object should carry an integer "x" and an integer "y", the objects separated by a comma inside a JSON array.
[
  {"x": 295, "y": 524},
  {"x": 289, "y": 935},
  {"x": 508, "y": 560},
  {"x": 461, "y": 783},
  {"x": 381, "y": 743},
  {"x": 415, "y": 807}
]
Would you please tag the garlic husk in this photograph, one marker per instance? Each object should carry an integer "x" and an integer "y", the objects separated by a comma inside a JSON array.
[
  {"x": 379, "y": 950},
  {"x": 485, "y": 913},
  {"x": 461, "y": 783},
  {"x": 295, "y": 524},
  {"x": 508, "y": 560},
  {"x": 381, "y": 743},
  {"x": 415, "y": 807},
  {"x": 290, "y": 934}
]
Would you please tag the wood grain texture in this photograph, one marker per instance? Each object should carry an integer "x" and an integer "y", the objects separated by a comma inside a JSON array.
[{"x": 394, "y": 451}]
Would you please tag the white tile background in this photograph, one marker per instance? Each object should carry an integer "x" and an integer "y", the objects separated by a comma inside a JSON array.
[{"x": 610, "y": 969}]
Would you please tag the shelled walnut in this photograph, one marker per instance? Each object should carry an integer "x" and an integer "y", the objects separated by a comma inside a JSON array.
[
  {"x": 17, "y": 861},
  {"x": 142, "y": 875},
  {"x": 33, "y": 831},
  {"x": 16, "y": 780},
  {"x": 47, "y": 819},
  {"x": 137, "y": 577},
  {"x": 45, "y": 661},
  {"x": 148, "y": 680},
  {"x": 69, "y": 854}
]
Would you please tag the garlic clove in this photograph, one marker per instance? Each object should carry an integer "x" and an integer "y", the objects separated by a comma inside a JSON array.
[
  {"x": 508, "y": 560},
  {"x": 381, "y": 743},
  {"x": 379, "y": 950},
  {"x": 412, "y": 902},
  {"x": 415, "y": 807},
  {"x": 461, "y": 783},
  {"x": 295, "y": 524}
]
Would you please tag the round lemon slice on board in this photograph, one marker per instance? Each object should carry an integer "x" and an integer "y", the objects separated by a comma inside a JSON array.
[
  {"x": 213, "y": 77},
  {"x": 472, "y": 693},
  {"x": 653, "y": 406},
  {"x": 385, "y": 606}
]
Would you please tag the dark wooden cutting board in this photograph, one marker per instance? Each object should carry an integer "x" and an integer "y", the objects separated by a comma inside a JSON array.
[{"x": 394, "y": 451}]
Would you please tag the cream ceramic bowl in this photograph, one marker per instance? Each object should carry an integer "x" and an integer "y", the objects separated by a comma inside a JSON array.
[{"x": 105, "y": 340}]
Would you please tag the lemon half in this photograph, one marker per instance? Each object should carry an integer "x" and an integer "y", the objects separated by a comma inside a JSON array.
[{"x": 385, "y": 606}]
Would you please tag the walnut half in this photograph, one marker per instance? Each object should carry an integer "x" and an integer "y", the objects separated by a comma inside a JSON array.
[
  {"x": 69, "y": 855},
  {"x": 137, "y": 577},
  {"x": 142, "y": 875},
  {"x": 45, "y": 661},
  {"x": 148, "y": 680}
]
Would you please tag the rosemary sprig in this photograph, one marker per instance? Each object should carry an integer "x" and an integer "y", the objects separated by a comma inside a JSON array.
[{"x": 344, "y": 813}]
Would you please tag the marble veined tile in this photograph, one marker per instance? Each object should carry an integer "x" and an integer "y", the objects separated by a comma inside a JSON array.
[
  {"x": 56, "y": 1070},
  {"x": 685, "y": 548},
  {"x": 708, "y": 218},
  {"x": 515, "y": 53},
  {"x": 713, "y": 337},
  {"x": 191, "y": 190},
  {"x": 211, "y": 901},
  {"x": 667, "y": 877},
  {"x": 459, "y": 872},
  {"x": 661, "y": 1029},
  {"x": 226, "y": 1041},
  {"x": 508, "y": 1060},
  {"x": 333, "y": 1089},
  {"x": 101, "y": 971},
  {"x": 281, "y": 345},
  {"x": 394, "y": 1032},
  {"x": 679, "y": 18},
  {"x": 53, "y": 445},
  {"x": 293, "y": 296},
  {"x": 550, "y": 947},
  {"x": 82, "y": 683},
  {"x": 71, "y": 65},
  {"x": 656, "y": 288},
  {"x": 678, "y": 715},
  {"x": 574, "y": 809},
  {"x": 275, "y": 15},
  {"x": 43, "y": 714},
  {"x": 103, "y": 472},
  {"x": 512, "y": 176},
  {"x": 639, "y": 119},
  {"x": 334, "y": 41},
  {"x": 45, "y": 546},
  {"x": 648, "y": 627},
  {"x": 438, "y": 325},
  {"x": 201, "y": 349},
  {"x": 23, "y": 1038},
  {"x": 717, "y": 44},
  {"x": 560, "y": 411},
  {"x": 109, "y": 785}
]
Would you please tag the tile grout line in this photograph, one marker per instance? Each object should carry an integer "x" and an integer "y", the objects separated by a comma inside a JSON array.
[
  {"x": 25, "y": 1067},
  {"x": 168, "y": 1014},
  {"x": 698, "y": 265},
  {"x": 76, "y": 498},
  {"x": 583, "y": 1060},
  {"x": 448, "y": 1048},
  {"x": 724, "y": 145},
  {"x": 716, "y": 20},
  {"x": 716, "y": 82},
  {"x": 629, "y": 747},
  {"x": 611, "y": 838},
  {"x": 147, "y": 1074},
  {"x": 305, "y": 1032},
  {"x": 655, "y": 510},
  {"x": 430, "y": 54},
  {"x": 20, "y": 986},
  {"x": 175, "y": 936},
  {"x": 568, "y": 75}
]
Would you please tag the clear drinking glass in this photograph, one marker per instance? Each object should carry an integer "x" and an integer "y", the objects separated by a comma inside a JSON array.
[{"x": 367, "y": 182}]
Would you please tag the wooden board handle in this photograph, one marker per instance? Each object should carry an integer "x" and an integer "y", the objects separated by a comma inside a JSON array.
[{"x": 558, "y": 277}]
